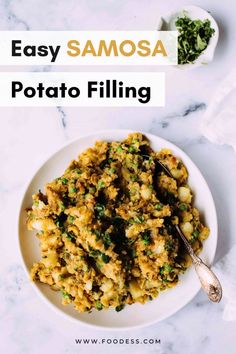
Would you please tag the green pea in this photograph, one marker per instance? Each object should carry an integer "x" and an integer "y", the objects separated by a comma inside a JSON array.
[
  {"x": 101, "y": 184},
  {"x": 99, "y": 306},
  {"x": 183, "y": 207},
  {"x": 73, "y": 190},
  {"x": 64, "y": 180},
  {"x": 119, "y": 149}
]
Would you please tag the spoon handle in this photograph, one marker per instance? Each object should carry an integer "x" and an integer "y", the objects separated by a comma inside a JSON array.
[{"x": 209, "y": 282}]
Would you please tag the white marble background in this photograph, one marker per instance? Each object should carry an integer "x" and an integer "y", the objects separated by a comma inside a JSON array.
[{"x": 29, "y": 135}]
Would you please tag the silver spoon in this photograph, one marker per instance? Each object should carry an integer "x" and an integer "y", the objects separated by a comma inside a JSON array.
[{"x": 209, "y": 282}]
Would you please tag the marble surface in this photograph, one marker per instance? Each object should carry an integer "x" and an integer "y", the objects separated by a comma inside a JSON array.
[{"x": 29, "y": 135}]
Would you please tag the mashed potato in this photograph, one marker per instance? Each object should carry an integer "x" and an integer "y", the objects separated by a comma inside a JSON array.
[{"x": 106, "y": 226}]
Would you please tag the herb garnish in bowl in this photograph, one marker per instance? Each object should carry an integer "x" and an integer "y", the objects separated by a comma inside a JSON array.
[{"x": 193, "y": 39}]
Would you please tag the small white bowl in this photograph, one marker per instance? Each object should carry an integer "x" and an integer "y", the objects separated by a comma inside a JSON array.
[
  {"x": 137, "y": 315},
  {"x": 195, "y": 13}
]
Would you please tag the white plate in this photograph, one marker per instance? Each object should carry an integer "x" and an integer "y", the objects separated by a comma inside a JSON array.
[{"x": 137, "y": 315}]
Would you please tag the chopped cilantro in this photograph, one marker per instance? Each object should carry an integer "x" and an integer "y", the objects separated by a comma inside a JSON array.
[
  {"x": 146, "y": 237},
  {"x": 107, "y": 240},
  {"x": 65, "y": 295},
  {"x": 93, "y": 252},
  {"x": 133, "y": 253},
  {"x": 111, "y": 171},
  {"x": 71, "y": 219},
  {"x": 60, "y": 220},
  {"x": 62, "y": 206},
  {"x": 97, "y": 233},
  {"x": 105, "y": 236},
  {"x": 134, "y": 178},
  {"x": 73, "y": 190},
  {"x": 69, "y": 235},
  {"x": 105, "y": 258},
  {"x": 150, "y": 159},
  {"x": 194, "y": 36},
  {"x": 139, "y": 219},
  {"x": 78, "y": 171},
  {"x": 101, "y": 184},
  {"x": 169, "y": 245},
  {"x": 166, "y": 269},
  {"x": 100, "y": 209},
  {"x": 195, "y": 234},
  {"x": 132, "y": 149}
]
